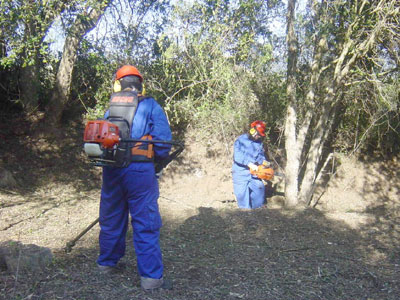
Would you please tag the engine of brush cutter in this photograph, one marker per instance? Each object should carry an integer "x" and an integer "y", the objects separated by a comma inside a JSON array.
[
  {"x": 263, "y": 172},
  {"x": 105, "y": 146},
  {"x": 102, "y": 144}
]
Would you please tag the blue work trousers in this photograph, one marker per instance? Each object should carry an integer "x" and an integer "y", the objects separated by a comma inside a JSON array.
[
  {"x": 249, "y": 191},
  {"x": 132, "y": 190}
]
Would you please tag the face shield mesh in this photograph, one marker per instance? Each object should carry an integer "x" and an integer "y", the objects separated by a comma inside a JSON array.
[{"x": 132, "y": 82}]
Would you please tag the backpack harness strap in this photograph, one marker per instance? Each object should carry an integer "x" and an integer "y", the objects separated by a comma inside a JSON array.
[
  {"x": 122, "y": 110},
  {"x": 143, "y": 149}
]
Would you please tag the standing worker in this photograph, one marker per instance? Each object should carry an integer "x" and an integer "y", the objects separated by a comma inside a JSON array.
[
  {"x": 247, "y": 155},
  {"x": 134, "y": 189}
]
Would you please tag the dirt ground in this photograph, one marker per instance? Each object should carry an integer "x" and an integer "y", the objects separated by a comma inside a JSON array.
[{"x": 344, "y": 246}]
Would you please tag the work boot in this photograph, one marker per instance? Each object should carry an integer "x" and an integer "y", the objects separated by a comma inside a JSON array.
[
  {"x": 118, "y": 268},
  {"x": 151, "y": 284}
]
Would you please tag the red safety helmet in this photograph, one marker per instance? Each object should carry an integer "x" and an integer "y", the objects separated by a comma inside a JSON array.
[
  {"x": 128, "y": 70},
  {"x": 259, "y": 126}
]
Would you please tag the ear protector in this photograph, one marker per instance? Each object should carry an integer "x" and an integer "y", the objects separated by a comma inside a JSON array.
[
  {"x": 143, "y": 90},
  {"x": 252, "y": 131},
  {"x": 117, "y": 86}
]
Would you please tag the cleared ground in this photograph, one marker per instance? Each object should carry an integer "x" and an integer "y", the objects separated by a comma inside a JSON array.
[{"x": 345, "y": 247}]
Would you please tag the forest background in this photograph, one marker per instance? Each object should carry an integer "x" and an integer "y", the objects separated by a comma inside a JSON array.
[{"x": 323, "y": 75}]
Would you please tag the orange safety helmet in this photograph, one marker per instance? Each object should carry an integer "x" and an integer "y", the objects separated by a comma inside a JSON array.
[
  {"x": 128, "y": 70},
  {"x": 259, "y": 126}
]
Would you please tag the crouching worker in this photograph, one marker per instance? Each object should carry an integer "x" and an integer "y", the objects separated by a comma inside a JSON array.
[
  {"x": 134, "y": 189},
  {"x": 247, "y": 155}
]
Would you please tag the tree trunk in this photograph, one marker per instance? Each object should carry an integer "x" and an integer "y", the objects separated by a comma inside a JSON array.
[
  {"x": 83, "y": 24},
  {"x": 311, "y": 94},
  {"x": 29, "y": 82},
  {"x": 314, "y": 155},
  {"x": 36, "y": 22},
  {"x": 292, "y": 151},
  {"x": 330, "y": 102},
  {"x": 356, "y": 40},
  {"x": 29, "y": 87}
]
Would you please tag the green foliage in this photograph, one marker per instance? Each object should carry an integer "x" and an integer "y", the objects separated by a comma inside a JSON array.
[
  {"x": 25, "y": 54},
  {"x": 271, "y": 92},
  {"x": 209, "y": 62},
  {"x": 366, "y": 96},
  {"x": 209, "y": 72},
  {"x": 371, "y": 121},
  {"x": 24, "y": 25},
  {"x": 92, "y": 81},
  {"x": 132, "y": 27}
]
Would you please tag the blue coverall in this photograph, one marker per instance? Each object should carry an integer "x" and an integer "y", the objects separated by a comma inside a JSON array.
[
  {"x": 249, "y": 190},
  {"x": 135, "y": 190}
]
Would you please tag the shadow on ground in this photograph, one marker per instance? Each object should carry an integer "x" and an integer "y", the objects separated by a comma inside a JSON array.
[{"x": 235, "y": 254}]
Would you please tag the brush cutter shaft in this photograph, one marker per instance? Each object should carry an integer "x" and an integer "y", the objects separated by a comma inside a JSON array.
[{"x": 72, "y": 242}]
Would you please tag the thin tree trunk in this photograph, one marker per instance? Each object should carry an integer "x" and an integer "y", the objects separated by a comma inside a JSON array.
[
  {"x": 38, "y": 20},
  {"x": 342, "y": 67},
  {"x": 316, "y": 71},
  {"x": 356, "y": 41},
  {"x": 292, "y": 151},
  {"x": 314, "y": 155},
  {"x": 83, "y": 24},
  {"x": 310, "y": 97},
  {"x": 29, "y": 87},
  {"x": 29, "y": 82}
]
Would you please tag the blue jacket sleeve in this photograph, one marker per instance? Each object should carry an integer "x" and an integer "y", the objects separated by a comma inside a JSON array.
[
  {"x": 247, "y": 151},
  {"x": 160, "y": 130},
  {"x": 151, "y": 119}
]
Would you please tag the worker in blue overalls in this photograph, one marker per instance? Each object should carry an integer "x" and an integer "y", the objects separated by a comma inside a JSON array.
[
  {"x": 248, "y": 154},
  {"x": 134, "y": 190}
]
